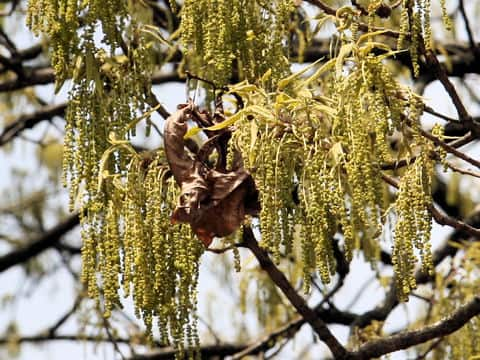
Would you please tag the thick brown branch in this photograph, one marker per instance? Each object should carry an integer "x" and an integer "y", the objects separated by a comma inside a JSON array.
[
  {"x": 462, "y": 60},
  {"x": 291, "y": 328},
  {"x": 42, "y": 243},
  {"x": 295, "y": 299},
  {"x": 458, "y": 225},
  {"x": 440, "y": 218},
  {"x": 464, "y": 140},
  {"x": 404, "y": 340}
]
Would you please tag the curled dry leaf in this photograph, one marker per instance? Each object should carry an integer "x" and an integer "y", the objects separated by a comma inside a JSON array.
[{"x": 213, "y": 201}]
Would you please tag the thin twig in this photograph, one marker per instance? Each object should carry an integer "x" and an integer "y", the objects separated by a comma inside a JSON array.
[
  {"x": 210, "y": 330},
  {"x": 433, "y": 345},
  {"x": 462, "y": 171},
  {"x": 440, "y": 218},
  {"x": 464, "y": 140},
  {"x": 442, "y": 76},
  {"x": 53, "y": 329},
  {"x": 427, "y": 300},
  {"x": 450, "y": 148},
  {"x": 468, "y": 28},
  {"x": 431, "y": 111},
  {"x": 287, "y": 330},
  {"x": 40, "y": 244},
  {"x": 27, "y": 121},
  {"x": 113, "y": 341}
]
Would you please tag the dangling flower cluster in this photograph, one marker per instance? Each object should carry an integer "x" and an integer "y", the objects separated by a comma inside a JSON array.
[
  {"x": 276, "y": 184},
  {"x": 107, "y": 88},
  {"x": 125, "y": 200},
  {"x": 336, "y": 149},
  {"x": 413, "y": 226},
  {"x": 319, "y": 223},
  {"x": 415, "y": 21},
  {"x": 104, "y": 99},
  {"x": 227, "y": 39},
  {"x": 368, "y": 111},
  {"x": 160, "y": 262},
  {"x": 60, "y": 21},
  {"x": 415, "y": 18},
  {"x": 438, "y": 131}
]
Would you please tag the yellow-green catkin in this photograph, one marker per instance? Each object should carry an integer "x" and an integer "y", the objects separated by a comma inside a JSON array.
[
  {"x": 413, "y": 226},
  {"x": 319, "y": 223},
  {"x": 438, "y": 131},
  {"x": 276, "y": 184},
  {"x": 125, "y": 199},
  {"x": 107, "y": 89},
  {"x": 414, "y": 44},
  {"x": 236, "y": 39},
  {"x": 160, "y": 261},
  {"x": 335, "y": 148},
  {"x": 59, "y": 21},
  {"x": 415, "y": 25},
  {"x": 445, "y": 17},
  {"x": 427, "y": 32},
  {"x": 404, "y": 24},
  {"x": 361, "y": 126}
]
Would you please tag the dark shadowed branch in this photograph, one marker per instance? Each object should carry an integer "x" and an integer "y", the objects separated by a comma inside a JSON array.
[
  {"x": 38, "y": 245},
  {"x": 28, "y": 121},
  {"x": 295, "y": 299},
  {"x": 407, "y": 339},
  {"x": 46, "y": 75}
]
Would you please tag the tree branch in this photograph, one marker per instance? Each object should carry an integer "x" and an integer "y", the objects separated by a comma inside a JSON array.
[
  {"x": 461, "y": 6},
  {"x": 42, "y": 243},
  {"x": 442, "y": 75},
  {"x": 375, "y": 349},
  {"x": 40, "y": 76},
  {"x": 46, "y": 75},
  {"x": 206, "y": 352},
  {"x": 54, "y": 337},
  {"x": 296, "y": 300},
  {"x": 53, "y": 329},
  {"x": 441, "y": 218},
  {"x": 450, "y": 148},
  {"x": 28, "y": 121},
  {"x": 286, "y": 331}
]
